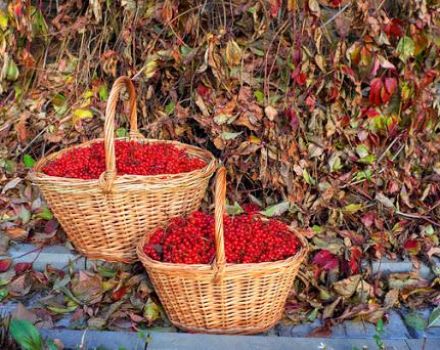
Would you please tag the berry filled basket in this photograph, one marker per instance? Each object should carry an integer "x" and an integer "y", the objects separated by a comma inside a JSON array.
[
  {"x": 222, "y": 297},
  {"x": 106, "y": 216}
]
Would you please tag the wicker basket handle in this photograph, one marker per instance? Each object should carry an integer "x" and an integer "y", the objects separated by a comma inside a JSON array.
[
  {"x": 220, "y": 197},
  {"x": 107, "y": 177}
]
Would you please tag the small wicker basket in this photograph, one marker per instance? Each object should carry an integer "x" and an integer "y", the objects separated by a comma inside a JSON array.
[
  {"x": 223, "y": 298},
  {"x": 106, "y": 217}
]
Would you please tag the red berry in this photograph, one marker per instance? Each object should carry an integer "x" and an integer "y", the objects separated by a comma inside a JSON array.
[
  {"x": 131, "y": 158},
  {"x": 248, "y": 239}
]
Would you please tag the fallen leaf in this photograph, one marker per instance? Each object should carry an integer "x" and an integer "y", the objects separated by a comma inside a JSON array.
[
  {"x": 434, "y": 318},
  {"x": 326, "y": 260},
  {"x": 5, "y": 264}
]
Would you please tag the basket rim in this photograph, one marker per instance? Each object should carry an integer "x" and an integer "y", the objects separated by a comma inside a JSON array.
[
  {"x": 229, "y": 267},
  {"x": 36, "y": 173}
]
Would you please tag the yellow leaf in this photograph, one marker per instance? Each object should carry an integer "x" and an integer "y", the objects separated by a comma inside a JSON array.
[
  {"x": 150, "y": 67},
  {"x": 233, "y": 53},
  {"x": 3, "y": 20},
  {"x": 79, "y": 114},
  {"x": 291, "y": 5},
  {"x": 88, "y": 94},
  {"x": 353, "y": 208}
]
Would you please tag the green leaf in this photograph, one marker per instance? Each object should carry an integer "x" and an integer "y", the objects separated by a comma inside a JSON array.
[
  {"x": 434, "y": 318},
  {"x": 24, "y": 215},
  {"x": 185, "y": 50},
  {"x": 363, "y": 175},
  {"x": 151, "y": 311},
  {"x": 312, "y": 315},
  {"x": 362, "y": 151},
  {"x": 12, "y": 71},
  {"x": 169, "y": 108},
  {"x": 416, "y": 321},
  {"x": 106, "y": 271},
  {"x": 28, "y": 161},
  {"x": 310, "y": 180},
  {"x": 60, "y": 310},
  {"x": 10, "y": 166},
  {"x": 379, "y": 326},
  {"x": 3, "y": 293},
  {"x": 26, "y": 335},
  {"x": 259, "y": 95},
  {"x": 234, "y": 209},
  {"x": 230, "y": 135},
  {"x": 277, "y": 209},
  {"x": 39, "y": 25},
  {"x": 335, "y": 163},
  {"x": 103, "y": 92},
  {"x": 59, "y": 103},
  {"x": 317, "y": 229},
  {"x": 256, "y": 51},
  {"x": 370, "y": 159},
  {"x": 122, "y": 132},
  {"x": 405, "y": 48},
  {"x": 45, "y": 214}
]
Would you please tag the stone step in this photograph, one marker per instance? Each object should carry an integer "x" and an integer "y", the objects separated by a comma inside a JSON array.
[{"x": 183, "y": 341}]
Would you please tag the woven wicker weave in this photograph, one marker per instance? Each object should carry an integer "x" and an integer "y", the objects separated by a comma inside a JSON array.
[
  {"x": 223, "y": 298},
  {"x": 105, "y": 218}
]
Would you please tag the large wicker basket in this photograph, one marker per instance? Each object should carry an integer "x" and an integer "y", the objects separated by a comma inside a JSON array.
[
  {"x": 105, "y": 218},
  {"x": 223, "y": 298}
]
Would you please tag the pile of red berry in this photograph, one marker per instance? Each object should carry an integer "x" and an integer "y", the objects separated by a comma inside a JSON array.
[
  {"x": 131, "y": 158},
  {"x": 248, "y": 239}
]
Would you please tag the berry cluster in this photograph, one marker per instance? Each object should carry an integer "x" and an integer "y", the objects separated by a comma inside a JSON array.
[
  {"x": 131, "y": 158},
  {"x": 248, "y": 239}
]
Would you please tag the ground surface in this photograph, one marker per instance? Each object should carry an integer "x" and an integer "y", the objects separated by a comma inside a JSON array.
[{"x": 397, "y": 334}]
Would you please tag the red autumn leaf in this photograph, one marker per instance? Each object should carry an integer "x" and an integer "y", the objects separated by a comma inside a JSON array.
[
  {"x": 375, "y": 90},
  {"x": 390, "y": 85},
  {"x": 370, "y": 112},
  {"x": 298, "y": 76},
  {"x": 5, "y": 264},
  {"x": 348, "y": 71},
  {"x": 301, "y": 78},
  {"x": 394, "y": 28},
  {"x": 380, "y": 91},
  {"x": 333, "y": 95},
  {"x": 412, "y": 246},
  {"x": 368, "y": 219},
  {"x": 326, "y": 260},
  {"x": 275, "y": 6},
  {"x": 428, "y": 78},
  {"x": 384, "y": 95},
  {"x": 311, "y": 102},
  {"x": 344, "y": 120},
  {"x": 293, "y": 118},
  {"x": 336, "y": 2},
  {"x": 355, "y": 258},
  {"x": 203, "y": 91},
  {"x": 118, "y": 294},
  {"x": 22, "y": 267}
]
